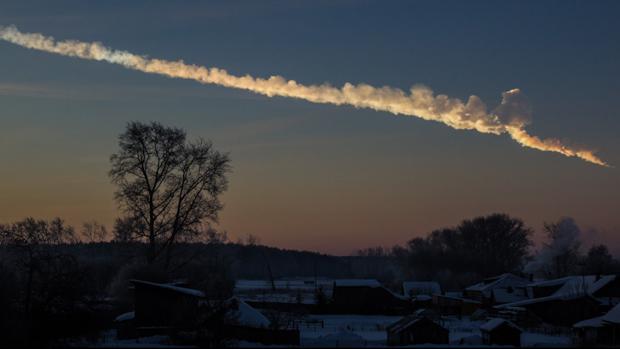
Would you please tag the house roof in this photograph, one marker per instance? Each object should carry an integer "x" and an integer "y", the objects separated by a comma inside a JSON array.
[
  {"x": 125, "y": 317},
  {"x": 504, "y": 280},
  {"x": 183, "y": 290},
  {"x": 554, "y": 297},
  {"x": 576, "y": 284},
  {"x": 245, "y": 315},
  {"x": 497, "y": 322},
  {"x": 464, "y": 300},
  {"x": 421, "y": 287},
  {"x": 612, "y": 317}
]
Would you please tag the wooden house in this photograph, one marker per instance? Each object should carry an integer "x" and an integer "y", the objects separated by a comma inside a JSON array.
[
  {"x": 558, "y": 310},
  {"x": 500, "y": 332},
  {"x": 505, "y": 288}
]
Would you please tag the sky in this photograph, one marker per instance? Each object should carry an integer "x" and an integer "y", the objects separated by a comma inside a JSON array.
[{"x": 312, "y": 176}]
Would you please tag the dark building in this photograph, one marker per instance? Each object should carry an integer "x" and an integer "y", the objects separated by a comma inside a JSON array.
[
  {"x": 505, "y": 288},
  {"x": 561, "y": 310},
  {"x": 599, "y": 331},
  {"x": 367, "y": 297},
  {"x": 500, "y": 332},
  {"x": 165, "y": 306},
  {"x": 412, "y": 330}
]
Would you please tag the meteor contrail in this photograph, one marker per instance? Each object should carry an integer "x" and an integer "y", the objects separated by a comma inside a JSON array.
[{"x": 511, "y": 116}]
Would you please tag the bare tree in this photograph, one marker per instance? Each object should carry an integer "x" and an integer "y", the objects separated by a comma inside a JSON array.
[
  {"x": 94, "y": 232},
  {"x": 169, "y": 184}
]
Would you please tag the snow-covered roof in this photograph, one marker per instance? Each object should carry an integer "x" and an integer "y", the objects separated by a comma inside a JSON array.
[
  {"x": 594, "y": 322},
  {"x": 530, "y": 301},
  {"x": 357, "y": 283},
  {"x": 495, "y": 323},
  {"x": 183, "y": 290},
  {"x": 125, "y": 317},
  {"x": 576, "y": 284},
  {"x": 421, "y": 287},
  {"x": 504, "y": 280},
  {"x": 587, "y": 283},
  {"x": 459, "y": 298},
  {"x": 245, "y": 315},
  {"x": 612, "y": 316}
]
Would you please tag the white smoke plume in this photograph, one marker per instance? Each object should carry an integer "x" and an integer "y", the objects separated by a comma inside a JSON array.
[
  {"x": 510, "y": 117},
  {"x": 564, "y": 239}
]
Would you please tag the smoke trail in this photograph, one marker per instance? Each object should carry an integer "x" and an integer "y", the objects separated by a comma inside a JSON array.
[{"x": 511, "y": 116}]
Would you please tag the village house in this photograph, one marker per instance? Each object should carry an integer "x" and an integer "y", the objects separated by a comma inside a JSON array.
[
  {"x": 505, "y": 288},
  {"x": 499, "y": 331},
  {"x": 367, "y": 296},
  {"x": 411, "y": 330},
  {"x": 605, "y": 288},
  {"x": 164, "y": 307},
  {"x": 599, "y": 331},
  {"x": 558, "y": 310},
  {"x": 167, "y": 309}
]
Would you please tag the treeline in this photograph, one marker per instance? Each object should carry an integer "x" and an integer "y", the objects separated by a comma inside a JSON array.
[
  {"x": 55, "y": 285},
  {"x": 495, "y": 244}
]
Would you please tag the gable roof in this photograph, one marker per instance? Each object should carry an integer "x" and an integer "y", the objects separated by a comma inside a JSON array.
[
  {"x": 612, "y": 317},
  {"x": 531, "y": 301},
  {"x": 170, "y": 287},
  {"x": 246, "y": 315},
  {"x": 576, "y": 284},
  {"x": 504, "y": 280}
]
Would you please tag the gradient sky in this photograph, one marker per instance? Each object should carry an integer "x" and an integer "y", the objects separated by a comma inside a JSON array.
[{"x": 322, "y": 177}]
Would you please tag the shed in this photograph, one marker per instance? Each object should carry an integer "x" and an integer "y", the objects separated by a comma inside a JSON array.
[
  {"x": 411, "y": 330},
  {"x": 499, "y": 331}
]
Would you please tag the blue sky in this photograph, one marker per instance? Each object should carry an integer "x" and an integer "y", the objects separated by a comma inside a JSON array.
[{"x": 316, "y": 176}]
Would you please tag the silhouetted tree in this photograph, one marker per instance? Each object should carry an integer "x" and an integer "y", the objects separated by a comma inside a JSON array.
[
  {"x": 480, "y": 247},
  {"x": 599, "y": 261},
  {"x": 169, "y": 184},
  {"x": 494, "y": 244}
]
